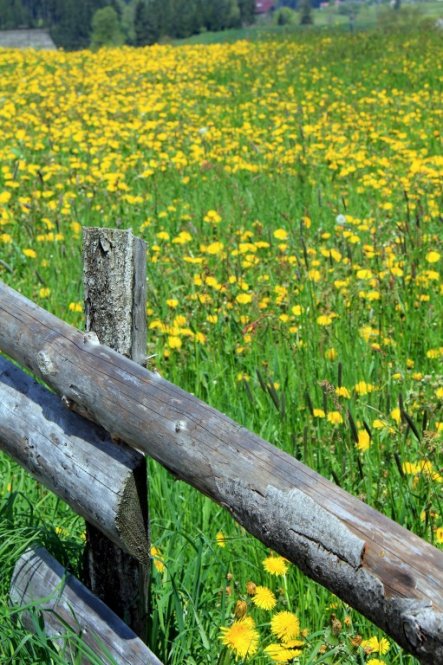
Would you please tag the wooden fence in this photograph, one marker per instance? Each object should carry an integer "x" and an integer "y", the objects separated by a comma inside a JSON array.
[{"x": 381, "y": 569}]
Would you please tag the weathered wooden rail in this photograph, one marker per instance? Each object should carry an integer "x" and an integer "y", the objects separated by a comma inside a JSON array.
[
  {"x": 66, "y": 603},
  {"x": 384, "y": 571}
]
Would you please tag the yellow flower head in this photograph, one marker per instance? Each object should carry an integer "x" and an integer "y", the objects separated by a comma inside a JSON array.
[
  {"x": 335, "y": 417},
  {"x": 364, "y": 440},
  {"x": 242, "y": 637},
  {"x": 279, "y": 653},
  {"x": 280, "y": 234},
  {"x": 220, "y": 539},
  {"x": 285, "y": 625},
  {"x": 276, "y": 565},
  {"x": 264, "y": 598},
  {"x": 432, "y": 257},
  {"x": 212, "y": 216},
  {"x": 157, "y": 558}
]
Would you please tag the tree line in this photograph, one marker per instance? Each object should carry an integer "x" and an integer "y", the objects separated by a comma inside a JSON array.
[{"x": 77, "y": 24}]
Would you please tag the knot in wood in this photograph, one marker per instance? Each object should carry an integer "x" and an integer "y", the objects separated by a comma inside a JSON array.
[
  {"x": 91, "y": 338},
  {"x": 180, "y": 426},
  {"x": 45, "y": 364}
]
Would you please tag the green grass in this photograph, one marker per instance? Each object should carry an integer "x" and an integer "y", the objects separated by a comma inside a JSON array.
[{"x": 319, "y": 153}]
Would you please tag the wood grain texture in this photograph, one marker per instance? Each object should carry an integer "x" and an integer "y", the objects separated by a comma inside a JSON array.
[
  {"x": 114, "y": 278},
  {"x": 64, "y": 601},
  {"x": 384, "y": 571},
  {"x": 74, "y": 458}
]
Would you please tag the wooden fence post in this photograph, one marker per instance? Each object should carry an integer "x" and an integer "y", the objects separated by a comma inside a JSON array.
[{"x": 114, "y": 277}]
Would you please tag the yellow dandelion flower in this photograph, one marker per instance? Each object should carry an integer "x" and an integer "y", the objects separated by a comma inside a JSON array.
[
  {"x": 215, "y": 248},
  {"x": 285, "y": 625},
  {"x": 396, "y": 415},
  {"x": 5, "y": 197},
  {"x": 279, "y": 653},
  {"x": 174, "y": 342},
  {"x": 335, "y": 418},
  {"x": 432, "y": 257},
  {"x": 264, "y": 598},
  {"x": 275, "y": 565},
  {"x": 242, "y": 637},
  {"x": 172, "y": 302},
  {"x": 376, "y": 661},
  {"x": 280, "y": 234},
  {"x": 30, "y": 253},
  {"x": 439, "y": 535},
  {"x": 363, "y": 388},
  {"x": 75, "y": 307},
  {"x": 364, "y": 440},
  {"x": 324, "y": 320},
  {"x": 383, "y": 646},
  {"x": 370, "y": 645},
  {"x": 157, "y": 558},
  {"x": 319, "y": 413},
  {"x": 331, "y": 354},
  {"x": 244, "y": 298},
  {"x": 213, "y": 217},
  {"x": 343, "y": 392},
  {"x": 439, "y": 393},
  {"x": 220, "y": 539},
  {"x": 44, "y": 292}
]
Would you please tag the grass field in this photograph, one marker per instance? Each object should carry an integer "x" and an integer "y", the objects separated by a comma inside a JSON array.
[{"x": 290, "y": 192}]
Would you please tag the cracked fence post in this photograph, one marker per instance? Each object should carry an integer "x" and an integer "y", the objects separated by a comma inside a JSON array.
[{"x": 114, "y": 278}]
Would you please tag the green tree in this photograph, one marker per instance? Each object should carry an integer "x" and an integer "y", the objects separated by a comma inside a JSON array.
[
  {"x": 71, "y": 22},
  {"x": 12, "y": 14},
  {"x": 146, "y": 24},
  {"x": 221, "y": 14},
  {"x": 185, "y": 19},
  {"x": 285, "y": 16},
  {"x": 247, "y": 11},
  {"x": 306, "y": 12},
  {"x": 106, "y": 28}
]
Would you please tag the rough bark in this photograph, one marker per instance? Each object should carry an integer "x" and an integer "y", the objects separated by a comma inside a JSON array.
[
  {"x": 114, "y": 276},
  {"x": 384, "y": 571},
  {"x": 62, "y": 600},
  {"x": 74, "y": 458}
]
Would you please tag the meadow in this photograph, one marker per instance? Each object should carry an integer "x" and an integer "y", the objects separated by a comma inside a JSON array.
[{"x": 290, "y": 193}]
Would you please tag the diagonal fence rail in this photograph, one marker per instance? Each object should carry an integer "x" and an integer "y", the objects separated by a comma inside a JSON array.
[{"x": 381, "y": 569}]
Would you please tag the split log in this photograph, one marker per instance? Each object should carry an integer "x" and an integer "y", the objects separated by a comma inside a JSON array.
[
  {"x": 63, "y": 601},
  {"x": 381, "y": 569},
  {"x": 114, "y": 278},
  {"x": 74, "y": 458}
]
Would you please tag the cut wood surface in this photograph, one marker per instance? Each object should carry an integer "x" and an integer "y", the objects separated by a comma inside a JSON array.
[
  {"x": 74, "y": 458},
  {"x": 64, "y": 601},
  {"x": 384, "y": 571}
]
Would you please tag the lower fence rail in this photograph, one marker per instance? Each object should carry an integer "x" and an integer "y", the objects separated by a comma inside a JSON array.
[{"x": 67, "y": 608}]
